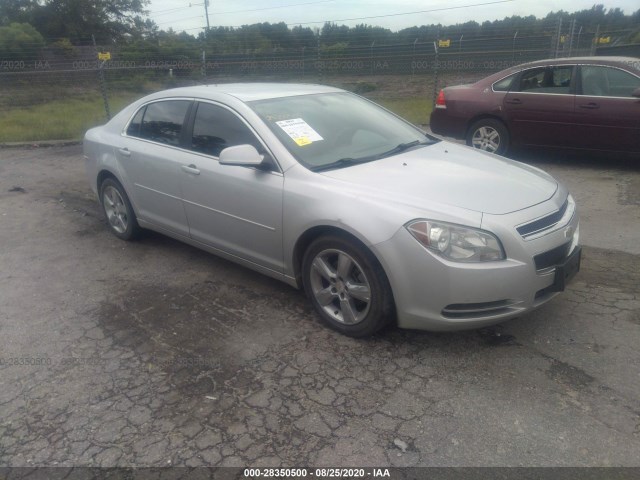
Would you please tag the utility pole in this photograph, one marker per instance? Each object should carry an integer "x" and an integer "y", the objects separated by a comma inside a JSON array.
[
  {"x": 206, "y": 13},
  {"x": 206, "y": 36}
]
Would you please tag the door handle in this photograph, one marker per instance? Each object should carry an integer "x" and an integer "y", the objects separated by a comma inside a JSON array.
[
  {"x": 591, "y": 106},
  {"x": 124, "y": 152},
  {"x": 192, "y": 169},
  {"x": 515, "y": 101}
]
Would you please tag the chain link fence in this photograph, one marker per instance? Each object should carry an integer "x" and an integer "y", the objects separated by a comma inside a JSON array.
[{"x": 93, "y": 81}]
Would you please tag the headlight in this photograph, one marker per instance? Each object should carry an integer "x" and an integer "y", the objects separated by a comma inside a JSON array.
[{"x": 457, "y": 243}]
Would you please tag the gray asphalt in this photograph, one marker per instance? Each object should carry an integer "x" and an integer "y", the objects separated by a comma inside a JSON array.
[{"x": 154, "y": 353}]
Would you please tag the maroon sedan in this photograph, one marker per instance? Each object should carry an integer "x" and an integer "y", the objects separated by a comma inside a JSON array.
[{"x": 590, "y": 103}]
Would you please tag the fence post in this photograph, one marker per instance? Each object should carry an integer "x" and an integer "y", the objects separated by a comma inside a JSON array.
[
  {"x": 435, "y": 73},
  {"x": 573, "y": 31},
  {"x": 320, "y": 67},
  {"x": 101, "y": 80},
  {"x": 595, "y": 40},
  {"x": 578, "y": 41},
  {"x": 558, "y": 37},
  {"x": 372, "y": 62}
]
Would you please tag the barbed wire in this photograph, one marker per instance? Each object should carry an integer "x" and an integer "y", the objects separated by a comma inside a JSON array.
[{"x": 57, "y": 66}]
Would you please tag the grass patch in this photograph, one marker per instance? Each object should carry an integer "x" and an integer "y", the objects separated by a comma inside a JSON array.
[
  {"x": 416, "y": 110},
  {"x": 65, "y": 119},
  {"x": 69, "y": 119}
]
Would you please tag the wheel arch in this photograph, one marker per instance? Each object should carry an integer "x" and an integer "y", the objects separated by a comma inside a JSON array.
[
  {"x": 105, "y": 173},
  {"x": 484, "y": 116},
  {"x": 313, "y": 233},
  {"x": 386, "y": 305}
]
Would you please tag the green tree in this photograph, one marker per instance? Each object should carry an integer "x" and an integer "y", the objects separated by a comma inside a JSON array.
[
  {"x": 332, "y": 33},
  {"x": 16, "y": 11},
  {"x": 303, "y": 37},
  {"x": 20, "y": 41},
  {"x": 77, "y": 20}
]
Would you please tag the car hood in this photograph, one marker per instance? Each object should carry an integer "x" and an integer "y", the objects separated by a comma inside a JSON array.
[{"x": 449, "y": 174}]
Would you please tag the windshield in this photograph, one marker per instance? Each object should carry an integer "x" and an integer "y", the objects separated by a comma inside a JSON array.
[{"x": 334, "y": 130}]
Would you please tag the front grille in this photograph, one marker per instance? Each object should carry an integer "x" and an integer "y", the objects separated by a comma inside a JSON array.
[
  {"x": 553, "y": 257},
  {"x": 472, "y": 310},
  {"x": 543, "y": 223}
]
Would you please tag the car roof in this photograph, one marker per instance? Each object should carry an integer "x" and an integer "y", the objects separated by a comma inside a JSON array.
[
  {"x": 629, "y": 62},
  {"x": 247, "y": 92},
  {"x": 562, "y": 60}
]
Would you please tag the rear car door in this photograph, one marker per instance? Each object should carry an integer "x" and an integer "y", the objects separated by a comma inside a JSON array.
[
  {"x": 539, "y": 107},
  {"x": 150, "y": 156},
  {"x": 235, "y": 209},
  {"x": 607, "y": 115}
]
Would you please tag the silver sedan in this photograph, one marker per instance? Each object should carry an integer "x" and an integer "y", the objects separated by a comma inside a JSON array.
[{"x": 327, "y": 191}]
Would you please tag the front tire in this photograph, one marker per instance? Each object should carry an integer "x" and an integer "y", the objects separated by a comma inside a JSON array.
[
  {"x": 347, "y": 286},
  {"x": 489, "y": 135},
  {"x": 118, "y": 211}
]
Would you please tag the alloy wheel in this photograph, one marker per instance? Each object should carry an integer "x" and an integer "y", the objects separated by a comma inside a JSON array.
[
  {"x": 340, "y": 287},
  {"x": 486, "y": 138},
  {"x": 115, "y": 209}
]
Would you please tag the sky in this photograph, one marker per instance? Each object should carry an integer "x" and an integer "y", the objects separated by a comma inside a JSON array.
[{"x": 189, "y": 15}]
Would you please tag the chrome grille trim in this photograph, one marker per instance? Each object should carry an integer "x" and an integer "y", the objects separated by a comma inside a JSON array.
[{"x": 548, "y": 223}]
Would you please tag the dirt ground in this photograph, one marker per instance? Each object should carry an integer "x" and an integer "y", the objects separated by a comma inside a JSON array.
[{"x": 154, "y": 353}]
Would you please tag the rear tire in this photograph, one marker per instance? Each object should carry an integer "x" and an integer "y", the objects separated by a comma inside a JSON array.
[
  {"x": 489, "y": 135},
  {"x": 347, "y": 286},
  {"x": 118, "y": 210}
]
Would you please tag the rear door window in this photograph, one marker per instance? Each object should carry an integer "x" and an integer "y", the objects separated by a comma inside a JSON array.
[{"x": 555, "y": 79}]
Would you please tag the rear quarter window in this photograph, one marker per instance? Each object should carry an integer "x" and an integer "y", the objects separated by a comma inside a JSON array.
[
  {"x": 163, "y": 121},
  {"x": 133, "y": 130},
  {"x": 504, "y": 85}
]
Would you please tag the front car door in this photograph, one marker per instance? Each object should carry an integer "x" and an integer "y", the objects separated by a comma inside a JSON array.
[
  {"x": 150, "y": 157},
  {"x": 235, "y": 209},
  {"x": 607, "y": 115},
  {"x": 539, "y": 107}
]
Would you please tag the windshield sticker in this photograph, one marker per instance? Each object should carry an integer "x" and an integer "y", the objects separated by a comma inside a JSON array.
[{"x": 299, "y": 131}]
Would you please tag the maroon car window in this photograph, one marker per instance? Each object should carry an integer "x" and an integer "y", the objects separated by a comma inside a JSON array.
[
  {"x": 547, "y": 80},
  {"x": 599, "y": 81},
  {"x": 504, "y": 85}
]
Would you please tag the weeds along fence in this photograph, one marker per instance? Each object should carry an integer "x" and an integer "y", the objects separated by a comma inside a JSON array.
[{"x": 62, "y": 83}]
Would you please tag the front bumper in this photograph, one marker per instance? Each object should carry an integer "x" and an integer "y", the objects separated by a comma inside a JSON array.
[{"x": 432, "y": 293}]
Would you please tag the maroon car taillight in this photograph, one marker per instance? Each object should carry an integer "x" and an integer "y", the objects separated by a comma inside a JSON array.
[{"x": 440, "y": 101}]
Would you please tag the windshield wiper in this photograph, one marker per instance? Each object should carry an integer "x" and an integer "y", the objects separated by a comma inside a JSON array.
[
  {"x": 343, "y": 162},
  {"x": 403, "y": 147},
  {"x": 348, "y": 162}
]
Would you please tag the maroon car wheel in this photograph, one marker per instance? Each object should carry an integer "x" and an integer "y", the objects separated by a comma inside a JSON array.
[{"x": 489, "y": 135}]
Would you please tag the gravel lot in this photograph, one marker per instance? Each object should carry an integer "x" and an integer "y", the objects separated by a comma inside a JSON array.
[{"x": 154, "y": 353}]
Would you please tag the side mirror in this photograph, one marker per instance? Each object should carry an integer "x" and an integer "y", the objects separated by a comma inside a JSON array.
[
  {"x": 636, "y": 93},
  {"x": 241, "y": 155}
]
